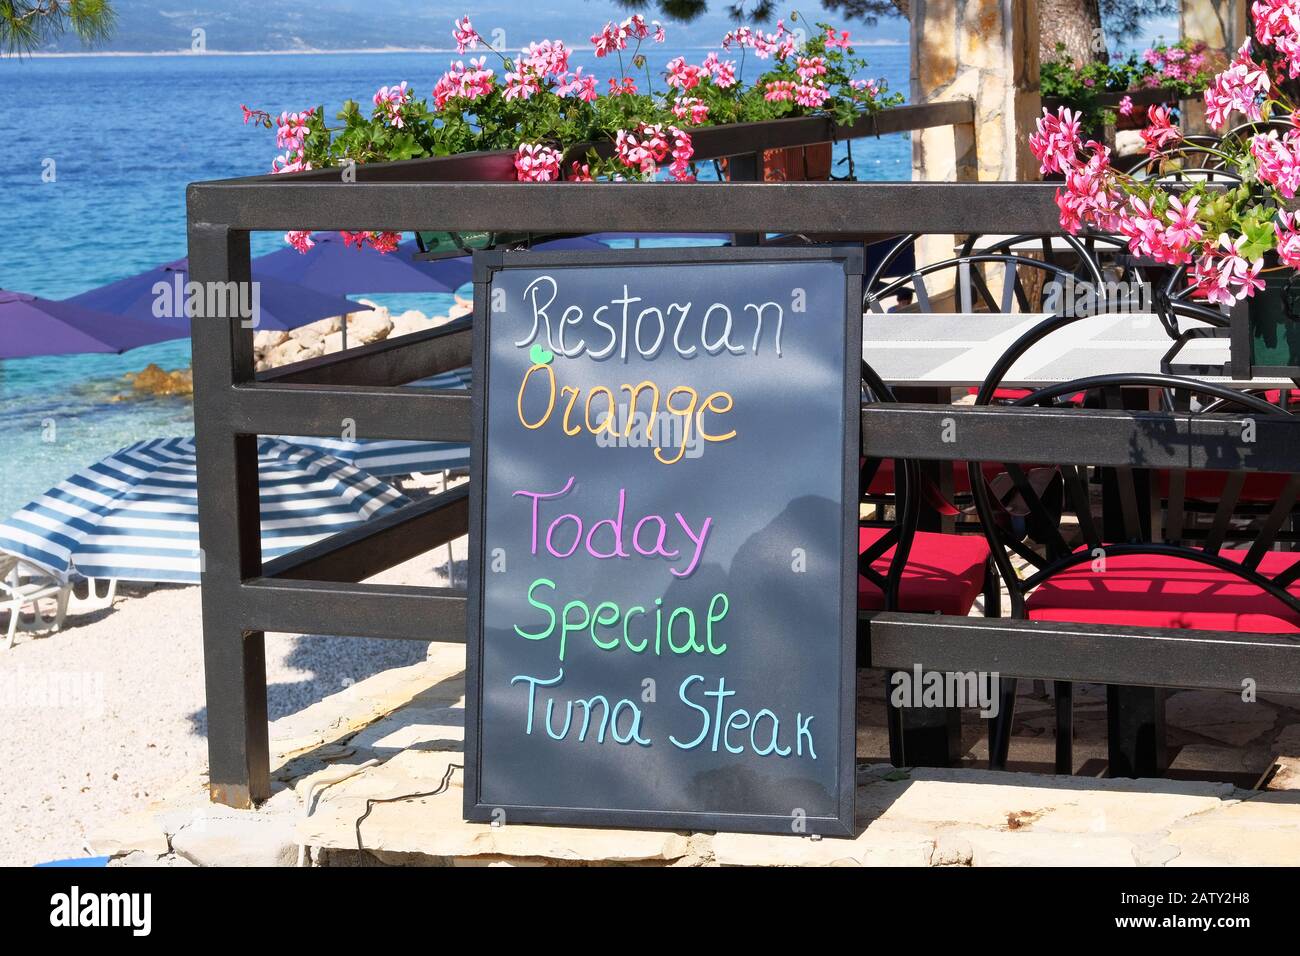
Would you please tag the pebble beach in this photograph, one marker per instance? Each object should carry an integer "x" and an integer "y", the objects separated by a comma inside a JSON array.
[{"x": 105, "y": 716}]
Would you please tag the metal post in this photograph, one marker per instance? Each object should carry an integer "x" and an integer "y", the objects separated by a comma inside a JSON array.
[
  {"x": 229, "y": 527},
  {"x": 746, "y": 168}
]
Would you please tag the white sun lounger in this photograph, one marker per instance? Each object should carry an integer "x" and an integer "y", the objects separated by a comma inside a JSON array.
[{"x": 23, "y": 584}]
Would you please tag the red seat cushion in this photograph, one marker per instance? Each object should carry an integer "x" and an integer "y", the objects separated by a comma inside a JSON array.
[
  {"x": 1146, "y": 590},
  {"x": 882, "y": 482},
  {"x": 1203, "y": 485},
  {"x": 1014, "y": 394},
  {"x": 1274, "y": 396},
  {"x": 944, "y": 573}
]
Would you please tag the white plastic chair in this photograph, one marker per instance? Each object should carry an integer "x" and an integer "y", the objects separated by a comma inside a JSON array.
[
  {"x": 93, "y": 601},
  {"x": 23, "y": 583}
]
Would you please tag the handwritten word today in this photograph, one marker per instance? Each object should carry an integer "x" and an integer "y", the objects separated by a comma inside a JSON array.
[
  {"x": 721, "y": 725},
  {"x": 649, "y": 536},
  {"x": 690, "y": 329}
]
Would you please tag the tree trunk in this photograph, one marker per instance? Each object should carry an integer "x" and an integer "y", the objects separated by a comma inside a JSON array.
[{"x": 1077, "y": 24}]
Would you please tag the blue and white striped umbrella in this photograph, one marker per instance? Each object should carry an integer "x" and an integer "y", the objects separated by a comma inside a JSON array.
[
  {"x": 388, "y": 458},
  {"x": 134, "y": 515}
]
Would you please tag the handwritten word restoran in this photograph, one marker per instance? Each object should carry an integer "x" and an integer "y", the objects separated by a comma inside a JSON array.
[
  {"x": 688, "y": 410},
  {"x": 649, "y": 537},
  {"x": 627, "y": 324}
]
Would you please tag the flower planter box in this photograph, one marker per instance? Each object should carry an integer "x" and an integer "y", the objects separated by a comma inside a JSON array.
[
  {"x": 494, "y": 167},
  {"x": 797, "y": 163},
  {"x": 1266, "y": 333},
  {"x": 810, "y": 160}
]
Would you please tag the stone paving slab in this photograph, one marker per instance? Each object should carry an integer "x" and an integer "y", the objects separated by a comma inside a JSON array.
[
  {"x": 432, "y": 825},
  {"x": 394, "y": 736}
]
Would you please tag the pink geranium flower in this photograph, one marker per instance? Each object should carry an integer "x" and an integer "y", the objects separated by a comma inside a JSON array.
[
  {"x": 1240, "y": 88},
  {"x": 1277, "y": 160},
  {"x": 290, "y": 129},
  {"x": 465, "y": 35},
  {"x": 832, "y": 41},
  {"x": 1223, "y": 275},
  {"x": 635, "y": 27},
  {"x": 722, "y": 72},
  {"x": 390, "y": 100},
  {"x": 537, "y": 163},
  {"x": 1056, "y": 142},
  {"x": 779, "y": 91},
  {"x": 1161, "y": 133},
  {"x": 1288, "y": 239},
  {"x": 461, "y": 82},
  {"x": 579, "y": 85},
  {"x": 300, "y": 239},
  {"x": 383, "y": 242},
  {"x": 643, "y": 148},
  {"x": 291, "y": 162},
  {"x": 1184, "y": 230},
  {"x": 1090, "y": 196},
  {"x": 684, "y": 76},
  {"x": 812, "y": 94},
  {"x": 521, "y": 85},
  {"x": 610, "y": 39},
  {"x": 548, "y": 58},
  {"x": 691, "y": 108},
  {"x": 1126, "y": 106},
  {"x": 682, "y": 151},
  {"x": 810, "y": 67}
]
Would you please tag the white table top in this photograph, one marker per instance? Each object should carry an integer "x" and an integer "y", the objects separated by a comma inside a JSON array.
[{"x": 960, "y": 349}]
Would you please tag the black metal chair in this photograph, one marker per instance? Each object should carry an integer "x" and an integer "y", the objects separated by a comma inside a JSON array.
[
  {"x": 1110, "y": 254},
  {"x": 1120, "y": 561},
  {"x": 971, "y": 293},
  {"x": 1190, "y": 160},
  {"x": 968, "y": 285},
  {"x": 903, "y": 568}
]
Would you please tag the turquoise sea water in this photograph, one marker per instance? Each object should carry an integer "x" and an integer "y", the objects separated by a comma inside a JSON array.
[{"x": 125, "y": 136}]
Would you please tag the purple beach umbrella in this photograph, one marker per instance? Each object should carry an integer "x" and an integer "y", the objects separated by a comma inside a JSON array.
[
  {"x": 660, "y": 237},
  {"x": 31, "y": 326},
  {"x": 331, "y": 266},
  {"x": 280, "y": 305}
]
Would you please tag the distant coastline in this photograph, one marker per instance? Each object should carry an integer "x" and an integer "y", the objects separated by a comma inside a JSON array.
[{"x": 312, "y": 51}]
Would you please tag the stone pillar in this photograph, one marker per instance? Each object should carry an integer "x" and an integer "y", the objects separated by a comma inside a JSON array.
[
  {"x": 985, "y": 51},
  {"x": 1222, "y": 24}
]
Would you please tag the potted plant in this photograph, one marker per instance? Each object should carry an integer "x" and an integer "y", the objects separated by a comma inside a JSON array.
[
  {"x": 1092, "y": 89},
  {"x": 1239, "y": 243},
  {"x": 533, "y": 118}
]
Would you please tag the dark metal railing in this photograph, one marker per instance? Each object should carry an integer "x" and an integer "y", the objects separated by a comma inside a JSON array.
[{"x": 316, "y": 590}]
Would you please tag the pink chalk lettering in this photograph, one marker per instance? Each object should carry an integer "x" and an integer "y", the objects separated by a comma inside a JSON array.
[{"x": 537, "y": 496}]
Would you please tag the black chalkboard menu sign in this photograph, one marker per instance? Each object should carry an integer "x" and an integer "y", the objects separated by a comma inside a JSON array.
[{"x": 663, "y": 539}]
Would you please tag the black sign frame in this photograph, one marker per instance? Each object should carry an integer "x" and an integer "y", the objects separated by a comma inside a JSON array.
[{"x": 842, "y": 823}]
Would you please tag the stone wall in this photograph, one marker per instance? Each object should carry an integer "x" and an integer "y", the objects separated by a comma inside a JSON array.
[
  {"x": 986, "y": 51},
  {"x": 1222, "y": 25}
]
